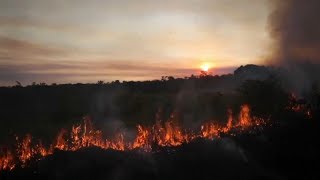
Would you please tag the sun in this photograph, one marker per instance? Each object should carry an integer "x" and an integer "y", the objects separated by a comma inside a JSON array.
[{"x": 205, "y": 67}]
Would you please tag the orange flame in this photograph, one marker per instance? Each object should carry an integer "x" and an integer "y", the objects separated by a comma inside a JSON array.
[
  {"x": 61, "y": 143},
  {"x": 228, "y": 127},
  {"x": 143, "y": 139},
  {"x": 297, "y": 107},
  {"x": 244, "y": 117},
  {"x": 7, "y": 161},
  {"x": 209, "y": 131},
  {"x": 25, "y": 150},
  {"x": 168, "y": 133}
]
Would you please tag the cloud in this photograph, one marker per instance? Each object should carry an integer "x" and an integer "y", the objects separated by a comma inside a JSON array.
[
  {"x": 141, "y": 29},
  {"x": 126, "y": 39},
  {"x": 15, "y": 50}
]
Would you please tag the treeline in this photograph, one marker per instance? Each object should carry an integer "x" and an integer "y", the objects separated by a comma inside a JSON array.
[{"x": 43, "y": 109}]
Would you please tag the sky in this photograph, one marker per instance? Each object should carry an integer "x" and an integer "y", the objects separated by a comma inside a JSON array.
[{"x": 70, "y": 41}]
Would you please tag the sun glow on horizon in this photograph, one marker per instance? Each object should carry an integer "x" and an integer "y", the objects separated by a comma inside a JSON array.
[{"x": 206, "y": 66}]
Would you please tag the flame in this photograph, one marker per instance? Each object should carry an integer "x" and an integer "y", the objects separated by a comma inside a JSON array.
[
  {"x": 228, "y": 127},
  {"x": 244, "y": 117},
  {"x": 210, "y": 131},
  {"x": 143, "y": 139},
  {"x": 7, "y": 160},
  {"x": 169, "y": 133},
  {"x": 297, "y": 107},
  {"x": 161, "y": 134},
  {"x": 61, "y": 143},
  {"x": 42, "y": 151},
  {"x": 25, "y": 150}
]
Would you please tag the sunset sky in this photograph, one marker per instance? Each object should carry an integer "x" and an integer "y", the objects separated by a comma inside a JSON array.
[{"x": 69, "y": 41}]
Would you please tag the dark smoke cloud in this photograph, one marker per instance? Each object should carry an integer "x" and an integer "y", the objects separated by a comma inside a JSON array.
[{"x": 295, "y": 27}]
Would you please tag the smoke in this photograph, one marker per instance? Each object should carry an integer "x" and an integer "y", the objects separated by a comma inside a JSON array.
[{"x": 295, "y": 28}]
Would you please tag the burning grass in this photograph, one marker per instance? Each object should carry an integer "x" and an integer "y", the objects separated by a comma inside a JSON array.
[{"x": 162, "y": 134}]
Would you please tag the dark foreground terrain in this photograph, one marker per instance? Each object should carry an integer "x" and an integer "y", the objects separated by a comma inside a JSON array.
[{"x": 273, "y": 153}]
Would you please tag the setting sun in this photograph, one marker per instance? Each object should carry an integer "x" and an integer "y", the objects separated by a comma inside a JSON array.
[{"x": 205, "y": 67}]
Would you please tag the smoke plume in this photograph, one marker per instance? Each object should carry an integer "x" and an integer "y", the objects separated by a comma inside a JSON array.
[{"x": 295, "y": 28}]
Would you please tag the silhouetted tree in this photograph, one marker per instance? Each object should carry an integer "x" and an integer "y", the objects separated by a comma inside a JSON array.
[
  {"x": 100, "y": 82},
  {"x": 18, "y": 84}
]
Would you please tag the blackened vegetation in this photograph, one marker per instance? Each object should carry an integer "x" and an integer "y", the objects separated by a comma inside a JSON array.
[{"x": 286, "y": 150}]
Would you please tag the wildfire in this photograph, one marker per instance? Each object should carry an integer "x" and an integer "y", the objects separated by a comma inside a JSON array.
[
  {"x": 7, "y": 161},
  {"x": 245, "y": 119},
  {"x": 161, "y": 134},
  {"x": 298, "y": 107},
  {"x": 143, "y": 139}
]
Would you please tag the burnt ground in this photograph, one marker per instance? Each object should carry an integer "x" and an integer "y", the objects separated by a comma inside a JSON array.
[{"x": 274, "y": 153}]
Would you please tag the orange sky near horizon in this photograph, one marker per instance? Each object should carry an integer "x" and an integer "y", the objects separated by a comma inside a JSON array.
[{"x": 86, "y": 41}]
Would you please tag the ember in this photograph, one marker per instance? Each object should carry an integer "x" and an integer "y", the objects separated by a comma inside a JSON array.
[{"x": 296, "y": 105}]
